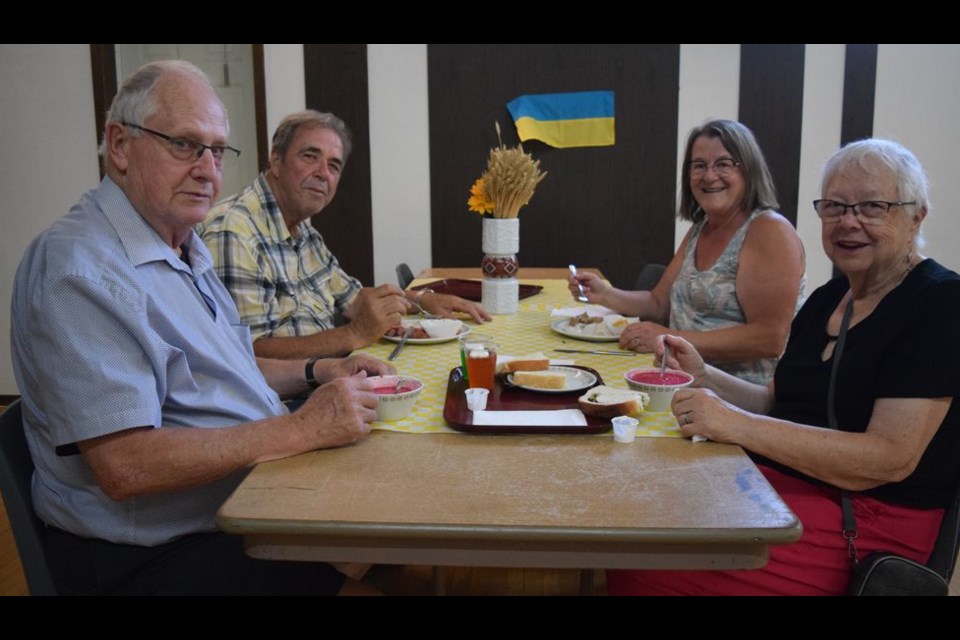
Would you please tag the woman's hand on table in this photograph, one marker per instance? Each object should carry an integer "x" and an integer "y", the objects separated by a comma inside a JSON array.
[
  {"x": 642, "y": 337},
  {"x": 700, "y": 412}
]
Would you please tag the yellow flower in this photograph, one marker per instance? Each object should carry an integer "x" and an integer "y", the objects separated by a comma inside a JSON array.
[
  {"x": 508, "y": 182},
  {"x": 479, "y": 201}
]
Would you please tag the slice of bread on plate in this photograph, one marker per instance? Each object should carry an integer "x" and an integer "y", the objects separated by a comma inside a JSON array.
[
  {"x": 610, "y": 402},
  {"x": 540, "y": 379},
  {"x": 532, "y": 362}
]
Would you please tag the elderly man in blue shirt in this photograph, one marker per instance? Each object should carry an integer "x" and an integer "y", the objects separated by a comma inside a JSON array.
[{"x": 144, "y": 404}]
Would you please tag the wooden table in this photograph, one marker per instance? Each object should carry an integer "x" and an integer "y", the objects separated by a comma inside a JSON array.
[{"x": 513, "y": 501}]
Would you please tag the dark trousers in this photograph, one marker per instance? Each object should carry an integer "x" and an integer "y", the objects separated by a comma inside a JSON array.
[{"x": 199, "y": 564}]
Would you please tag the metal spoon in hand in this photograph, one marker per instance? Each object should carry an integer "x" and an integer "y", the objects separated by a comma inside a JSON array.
[{"x": 583, "y": 296}]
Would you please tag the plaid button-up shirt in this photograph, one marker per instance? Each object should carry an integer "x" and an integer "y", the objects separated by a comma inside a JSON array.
[{"x": 284, "y": 285}]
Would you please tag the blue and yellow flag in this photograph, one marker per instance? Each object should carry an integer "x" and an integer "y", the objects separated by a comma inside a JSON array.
[{"x": 564, "y": 120}]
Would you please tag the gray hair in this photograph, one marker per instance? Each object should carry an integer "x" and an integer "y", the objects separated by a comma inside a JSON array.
[
  {"x": 739, "y": 141},
  {"x": 288, "y": 127},
  {"x": 912, "y": 183},
  {"x": 135, "y": 100}
]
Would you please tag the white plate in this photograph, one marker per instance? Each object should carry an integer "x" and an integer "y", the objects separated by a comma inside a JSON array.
[
  {"x": 563, "y": 328},
  {"x": 577, "y": 380},
  {"x": 406, "y": 323}
]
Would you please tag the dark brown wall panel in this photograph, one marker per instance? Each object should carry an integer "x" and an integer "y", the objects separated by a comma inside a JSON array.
[
  {"x": 608, "y": 207},
  {"x": 771, "y": 104},
  {"x": 859, "y": 92},
  {"x": 336, "y": 81}
]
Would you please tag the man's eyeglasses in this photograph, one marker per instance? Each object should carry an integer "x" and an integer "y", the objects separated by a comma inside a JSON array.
[
  {"x": 868, "y": 211},
  {"x": 722, "y": 167},
  {"x": 189, "y": 150}
]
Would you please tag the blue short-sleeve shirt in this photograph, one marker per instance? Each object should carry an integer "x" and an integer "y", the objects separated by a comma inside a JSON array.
[{"x": 112, "y": 331}]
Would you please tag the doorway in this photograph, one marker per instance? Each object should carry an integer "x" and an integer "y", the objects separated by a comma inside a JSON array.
[{"x": 235, "y": 70}]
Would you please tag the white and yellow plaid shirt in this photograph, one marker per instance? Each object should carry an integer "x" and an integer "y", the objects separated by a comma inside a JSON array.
[{"x": 284, "y": 285}]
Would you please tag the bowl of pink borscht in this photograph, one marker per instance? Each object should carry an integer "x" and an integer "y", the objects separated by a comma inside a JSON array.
[
  {"x": 395, "y": 400},
  {"x": 660, "y": 387}
]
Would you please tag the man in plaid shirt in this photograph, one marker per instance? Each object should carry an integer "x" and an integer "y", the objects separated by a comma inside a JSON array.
[{"x": 288, "y": 286}]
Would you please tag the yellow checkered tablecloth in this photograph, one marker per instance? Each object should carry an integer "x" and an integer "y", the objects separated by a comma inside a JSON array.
[{"x": 527, "y": 331}]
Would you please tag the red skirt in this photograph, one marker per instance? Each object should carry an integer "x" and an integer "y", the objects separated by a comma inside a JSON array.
[{"x": 814, "y": 565}]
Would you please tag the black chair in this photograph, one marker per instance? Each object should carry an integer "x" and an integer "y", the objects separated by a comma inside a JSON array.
[
  {"x": 943, "y": 560},
  {"x": 404, "y": 275},
  {"x": 16, "y": 470},
  {"x": 649, "y": 277}
]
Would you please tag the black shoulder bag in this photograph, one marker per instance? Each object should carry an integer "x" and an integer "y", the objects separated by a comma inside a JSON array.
[{"x": 881, "y": 573}]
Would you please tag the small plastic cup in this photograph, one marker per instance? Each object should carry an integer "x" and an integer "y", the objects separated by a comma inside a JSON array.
[
  {"x": 625, "y": 429},
  {"x": 477, "y": 399}
]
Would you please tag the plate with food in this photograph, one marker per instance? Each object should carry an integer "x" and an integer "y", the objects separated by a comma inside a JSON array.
[
  {"x": 593, "y": 328},
  {"x": 584, "y": 327},
  {"x": 427, "y": 331},
  {"x": 553, "y": 380}
]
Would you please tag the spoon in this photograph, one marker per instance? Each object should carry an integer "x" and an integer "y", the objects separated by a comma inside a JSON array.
[
  {"x": 583, "y": 296},
  {"x": 663, "y": 363},
  {"x": 423, "y": 312}
]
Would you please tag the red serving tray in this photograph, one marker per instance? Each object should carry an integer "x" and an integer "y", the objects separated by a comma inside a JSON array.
[
  {"x": 470, "y": 289},
  {"x": 508, "y": 398}
]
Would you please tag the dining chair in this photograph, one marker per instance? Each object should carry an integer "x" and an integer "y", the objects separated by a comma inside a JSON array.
[
  {"x": 404, "y": 275},
  {"x": 16, "y": 471},
  {"x": 943, "y": 559},
  {"x": 649, "y": 277}
]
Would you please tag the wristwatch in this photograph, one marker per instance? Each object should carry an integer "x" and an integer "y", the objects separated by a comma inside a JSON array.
[{"x": 308, "y": 373}]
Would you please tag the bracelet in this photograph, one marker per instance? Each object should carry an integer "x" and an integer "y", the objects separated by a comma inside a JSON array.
[{"x": 308, "y": 373}]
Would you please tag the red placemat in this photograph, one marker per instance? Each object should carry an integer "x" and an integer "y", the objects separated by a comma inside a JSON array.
[{"x": 471, "y": 289}]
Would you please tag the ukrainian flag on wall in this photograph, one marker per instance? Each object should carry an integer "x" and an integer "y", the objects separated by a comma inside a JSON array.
[{"x": 563, "y": 120}]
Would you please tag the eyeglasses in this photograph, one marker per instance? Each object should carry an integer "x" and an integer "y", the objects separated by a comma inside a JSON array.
[
  {"x": 189, "y": 150},
  {"x": 867, "y": 212},
  {"x": 721, "y": 167}
]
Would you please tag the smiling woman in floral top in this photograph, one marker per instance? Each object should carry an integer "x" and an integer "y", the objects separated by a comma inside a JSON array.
[{"x": 737, "y": 279}]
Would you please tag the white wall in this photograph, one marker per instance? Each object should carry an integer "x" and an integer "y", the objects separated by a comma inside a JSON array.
[
  {"x": 47, "y": 154},
  {"x": 47, "y": 138},
  {"x": 399, "y": 158},
  {"x": 709, "y": 89},
  {"x": 822, "y": 115},
  {"x": 918, "y": 101},
  {"x": 285, "y": 89}
]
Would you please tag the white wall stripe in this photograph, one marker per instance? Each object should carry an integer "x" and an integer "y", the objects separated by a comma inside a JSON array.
[{"x": 822, "y": 116}]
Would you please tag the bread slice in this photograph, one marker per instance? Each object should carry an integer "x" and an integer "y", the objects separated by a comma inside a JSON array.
[
  {"x": 532, "y": 362},
  {"x": 610, "y": 402},
  {"x": 540, "y": 379}
]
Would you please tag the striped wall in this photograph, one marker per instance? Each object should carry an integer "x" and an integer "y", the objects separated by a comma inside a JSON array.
[{"x": 48, "y": 101}]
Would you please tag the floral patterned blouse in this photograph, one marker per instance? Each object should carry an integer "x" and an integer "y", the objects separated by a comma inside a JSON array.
[{"x": 707, "y": 300}]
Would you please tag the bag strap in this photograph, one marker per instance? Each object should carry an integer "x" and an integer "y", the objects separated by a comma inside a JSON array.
[{"x": 849, "y": 520}]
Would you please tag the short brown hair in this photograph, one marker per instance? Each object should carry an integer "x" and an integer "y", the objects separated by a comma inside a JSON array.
[{"x": 288, "y": 127}]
